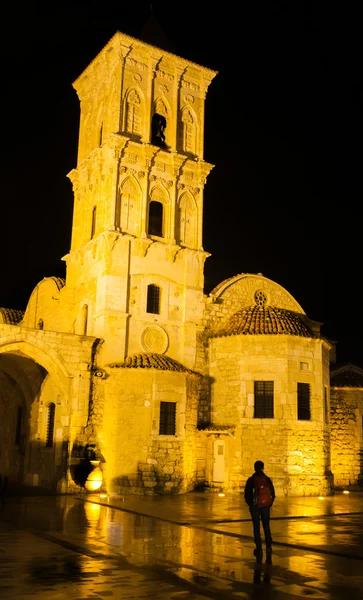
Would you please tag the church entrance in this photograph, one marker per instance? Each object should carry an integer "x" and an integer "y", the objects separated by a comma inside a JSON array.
[{"x": 33, "y": 451}]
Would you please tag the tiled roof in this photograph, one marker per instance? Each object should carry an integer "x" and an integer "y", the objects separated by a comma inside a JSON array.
[
  {"x": 266, "y": 320},
  {"x": 150, "y": 360},
  {"x": 216, "y": 427},
  {"x": 347, "y": 376},
  {"x": 59, "y": 281},
  {"x": 11, "y": 316}
]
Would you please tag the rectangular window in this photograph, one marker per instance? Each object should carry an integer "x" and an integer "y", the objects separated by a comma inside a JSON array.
[
  {"x": 153, "y": 299},
  {"x": 19, "y": 417},
  {"x": 326, "y": 405},
  {"x": 264, "y": 399},
  {"x": 303, "y": 402},
  {"x": 167, "y": 418},
  {"x": 304, "y": 366},
  {"x": 50, "y": 425}
]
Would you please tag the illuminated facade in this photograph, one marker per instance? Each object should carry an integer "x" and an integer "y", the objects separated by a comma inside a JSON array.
[{"x": 127, "y": 364}]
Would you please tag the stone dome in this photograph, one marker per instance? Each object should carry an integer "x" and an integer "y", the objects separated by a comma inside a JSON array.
[
  {"x": 11, "y": 316},
  {"x": 266, "y": 320},
  {"x": 151, "y": 360}
]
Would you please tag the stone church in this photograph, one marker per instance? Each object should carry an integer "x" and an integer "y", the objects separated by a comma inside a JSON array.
[{"x": 126, "y": 376}]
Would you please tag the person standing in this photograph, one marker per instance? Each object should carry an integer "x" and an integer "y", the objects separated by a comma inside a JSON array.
[{"x": 260, "y": 495}]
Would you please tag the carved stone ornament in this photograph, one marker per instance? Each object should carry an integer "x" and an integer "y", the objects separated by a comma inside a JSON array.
[
  {"x": 166, "y": 76},
  {"x": 189, "y": 98},
  {"x": 191, "y": 86},
  {"x": 141, "y": 174},
  {"x": 131, "y": 158},
  {"x": 164, "y": 89},
  {"x": 141, "y": 246},
  {"x": 99, "y": 373},
  {"x": 154, "y": 339},
  {"x": 137, "y": 77}
]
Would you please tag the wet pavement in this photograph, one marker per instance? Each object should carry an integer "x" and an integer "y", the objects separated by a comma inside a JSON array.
[{"x": 194, "y": 546}]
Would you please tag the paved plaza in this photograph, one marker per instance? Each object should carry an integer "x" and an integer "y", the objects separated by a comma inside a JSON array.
[{"x": 193, "y": 546}]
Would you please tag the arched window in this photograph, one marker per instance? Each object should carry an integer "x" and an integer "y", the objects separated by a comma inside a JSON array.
[
  {"x": 40, "y": 324},
  {"x": 187, "y": 132},
  {"x": 50, "y": 425},
  {"x": 153, "y": 299},
  {"x": 186, "y": 221},
  {"x": 155, "y": 222},
  {"x": 158, "y": 126},
  {"x": 93, "y": 225},
  {"x": 84, "y": 319},
  {"x": 128, "y": 205},
  {"x": 133, "y": 104}
]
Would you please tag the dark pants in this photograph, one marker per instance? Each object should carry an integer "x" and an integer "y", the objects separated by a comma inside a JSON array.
[{"x": 261, "y": 513}]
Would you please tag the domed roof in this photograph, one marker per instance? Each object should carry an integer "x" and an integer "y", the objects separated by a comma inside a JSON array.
[
  {"x": 346, "y": 376},
  {"x": 59, "y": 281},
  {"x": 11, "y": 316},
  {"x": 266, "y": 320},
  {"x": 151, "y": 360}
]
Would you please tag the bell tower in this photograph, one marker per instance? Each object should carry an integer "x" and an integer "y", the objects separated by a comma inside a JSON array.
[{"x": 136, "y": 263}]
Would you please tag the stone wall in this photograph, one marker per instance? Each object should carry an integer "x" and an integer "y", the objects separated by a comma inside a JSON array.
[
  {"x": 346, "y": 410},
  {"x": 295, "y": 452},
  {"x": 137, "y": 458}
]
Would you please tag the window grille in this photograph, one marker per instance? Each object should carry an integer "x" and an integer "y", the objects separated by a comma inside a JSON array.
[
  {"x": 264, "y": 399},
  {"x": 153, "y": 299},
  {"x": 19, "y": 418},
  {"x": 303, "y": 402},
  {"x": 155, "y": 218},
  {"x": 167, "y": 418},
  {"x": 50, "y": 425}
]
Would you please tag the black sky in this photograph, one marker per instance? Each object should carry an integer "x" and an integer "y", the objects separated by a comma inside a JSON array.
[{"x": 283, "y": 127}]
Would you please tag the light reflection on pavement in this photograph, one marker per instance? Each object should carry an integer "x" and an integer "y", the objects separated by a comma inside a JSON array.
[{"x": 62, "y": 547}]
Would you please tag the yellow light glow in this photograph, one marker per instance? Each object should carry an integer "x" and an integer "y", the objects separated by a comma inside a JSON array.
[
  {"x": 94, "y": 480},
  {"x": 103, "y": 495},
  {"x": 92, "y": 511},
  {"x": 345, "y": 492},
  {"x": 321, "y": 498},
  {"x": 221, "y": 494}
]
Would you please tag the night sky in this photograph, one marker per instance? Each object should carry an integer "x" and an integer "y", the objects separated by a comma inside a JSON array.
[{"x": 283, "y": 129}]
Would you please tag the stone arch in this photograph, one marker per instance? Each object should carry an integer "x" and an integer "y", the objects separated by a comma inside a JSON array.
[
  {"x": 45, "y": 356},
  {"x": 162, "y": 107},
  {"x": 243, "y": 288},
  {"x": 157, "y": 211},
  {"x": 133, "y": 113},
  {"x": 11, "y": 366},
  {"x": 128, "y": 205},
  {"x": 45, "y": 294},
  {"x": 188, "y": 131},
  {"x": 187, "y": 220}
]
